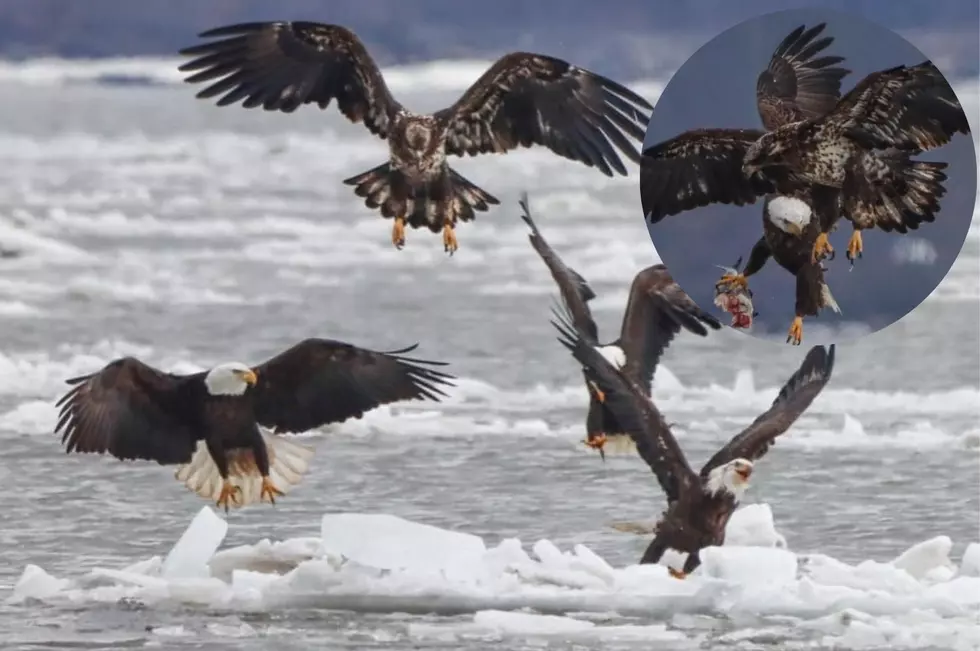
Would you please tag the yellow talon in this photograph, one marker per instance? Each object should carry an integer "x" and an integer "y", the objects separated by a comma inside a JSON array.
[
  {"x": 598, "y": 442},
  {"x": 398, "y": 233},
  {"x": 269, "y": 490},
  {"x": 600, "y": 395},
  {"x": 449, "y": 238},
  {"x": 822, "y": 248},
  {"x": 677, "y": 574},
  {"x": 855, "y": 247},
  {"x": 795, "y": 335},
  {"x": 229, "y": 494},
  {"x": 734, "y": 279}
]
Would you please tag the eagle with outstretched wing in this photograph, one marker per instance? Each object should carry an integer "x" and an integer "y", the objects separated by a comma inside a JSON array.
[
  {"x": 222, "y": 427},
  {"x": 657, "y": 309},
  {"x": 522, "y": 100},
  {"x": 699, "y": 505}
]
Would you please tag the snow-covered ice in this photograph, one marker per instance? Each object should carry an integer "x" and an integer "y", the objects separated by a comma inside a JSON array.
[{"x": 383, "y": 563}]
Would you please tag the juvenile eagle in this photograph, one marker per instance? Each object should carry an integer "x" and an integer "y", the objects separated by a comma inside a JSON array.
[
  {"x": 656, "y": 311},
  {"x": 522, "y": 100},
  {"x": 220, "y": 426},
  {"x": 698, "y": 505},
  {"x": 860, "y": 149}
]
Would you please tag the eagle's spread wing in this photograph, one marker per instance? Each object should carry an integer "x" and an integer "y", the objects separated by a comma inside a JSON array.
[
  {"x": 320, "y": 381},
  {"x": 656, "y": 311},
  {"x": 800, "y": 390},
  {"x": 283, "y": 65},
  {"x": 575, "y": 291},
  {"x": 635, "y": 413},
  {"x": 530, "y": 99},
  {"x": 907, "y": 107},
  {"x": 888, "y": 190},
  {"x": 796, "y": 86},
  {"x": 697, "y": 168},
  {"x": 130, "y": 410}
]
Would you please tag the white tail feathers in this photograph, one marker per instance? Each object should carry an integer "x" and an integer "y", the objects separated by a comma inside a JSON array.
[
  {"x": 827, "y": 298},
  {"x": 617, "y": 444},
  {"x": 288, "y": 462}
]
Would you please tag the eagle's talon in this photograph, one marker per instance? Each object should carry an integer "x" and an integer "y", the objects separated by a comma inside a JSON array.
[
  {"x": 449, "y": 242},
  {"x": 795, "y": 336},
  {"x": 598, "y": 442},
  {"x": 855, "y": 247},
  {"x": 734, "y": 279},
  {"x": 269, "y": 490},
  {"x": 822, "y": 249},
  {"x": 229, "y": 494},
  {"x": 677, "y": 574},
  {"x": 398, "y": 233}
]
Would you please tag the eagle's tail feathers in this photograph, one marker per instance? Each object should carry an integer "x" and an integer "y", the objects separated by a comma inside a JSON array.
[
  {"x": 827, "y": 299},
  {"x": 387, "y": 188},
  {"x": 288, "y": 462}
]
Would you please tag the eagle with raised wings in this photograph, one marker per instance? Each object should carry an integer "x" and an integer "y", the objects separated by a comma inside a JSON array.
[
  {"x": 657, "y": 309},
  {"x": 222, "y": 427},
  {"x": 522, "y": 100},
  {"x": 796, "y": 86},
  {"x": 860, "y": 150},
  {"x": 699, "y": 505}
]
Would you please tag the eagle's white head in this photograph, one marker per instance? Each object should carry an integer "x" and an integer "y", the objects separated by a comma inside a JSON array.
[
  {"x": 732, "y": 478},
  {"x": 229, "y": 379},
  {"x": 614, "y": 355},
  {"x": 790, "y": 215}
]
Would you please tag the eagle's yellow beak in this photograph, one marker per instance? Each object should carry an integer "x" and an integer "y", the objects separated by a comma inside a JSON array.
[
  {"x": 794, "y": 229},
  {"x": 249, "y": 377}
]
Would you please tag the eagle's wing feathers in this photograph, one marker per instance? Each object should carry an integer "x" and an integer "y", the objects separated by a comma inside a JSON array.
[
  {"x": 130, "y": 410},
  {"x": 636, "y": 414},
  {"x": 575, "y": 290},
  {"x": 794, "y": 398},
  {"x": 656, "y": 311},
  {"x": 283, "y": 65},
  {"x": 912, "y": 108},
  {"x": 698, "y": 168},
  {"x": 320, "y": 381},
  {"x": 796, "y": 86},
  {"x": 528, "y": 99}
]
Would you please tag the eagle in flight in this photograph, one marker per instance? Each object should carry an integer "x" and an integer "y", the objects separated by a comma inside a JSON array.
[
  {"x": 221, "y": 427},
  {"x": 522, "y": 100},
  {"x": 657, "y": 309},
  {"x": 859, "y": 148},
  {"x": 699, "y": 505}
]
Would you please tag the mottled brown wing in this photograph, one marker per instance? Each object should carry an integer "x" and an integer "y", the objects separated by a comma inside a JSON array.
[
  {"x": 886, "y": 189},
  {"x": 528, "y": 99},
  {"x": 283, "y": 65},
  {"x": 320, "y": 381},
  {"x": 636, "y": 414},
  {"x": 575, "y": 291},
  {"x": 132, "y": 411},
  {"x": 797, "y": 394},
  {"x": 907, "y": 107},
  {"x": 796, "y": 86},
  {"x": 698, "y": 168},
  {"x": 657, "y": 310}
]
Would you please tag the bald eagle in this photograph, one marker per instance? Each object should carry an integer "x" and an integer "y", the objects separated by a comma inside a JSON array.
[
  {"x": 698, "y": 505},
  {"x": 860, "y": 151},
  {"x": 221, "y": 426},
  {"x": 656, "y": 311},
  {"x": 522, "y": 100}
]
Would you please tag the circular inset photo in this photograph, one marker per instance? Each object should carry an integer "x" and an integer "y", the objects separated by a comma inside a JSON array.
[{"x": 810, "y": 173}]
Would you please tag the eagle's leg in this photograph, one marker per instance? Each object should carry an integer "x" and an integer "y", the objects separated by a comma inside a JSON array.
[
  {"x": 230, "y": 494},
  {"x": 398, "y": 233},
  {"x": 269, "y": 490},
  {"x": 598, "y": 442},
  {"x": 855, "y": 247},
  {"x": 449, "y": 241},
  {"x": 691, "y": 564},
  {"x": 795, "y": 335},
  {"x": 822, "y": 249}
]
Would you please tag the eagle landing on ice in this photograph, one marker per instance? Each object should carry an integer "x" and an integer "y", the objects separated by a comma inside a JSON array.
[{"x": 522, "y": 100}]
